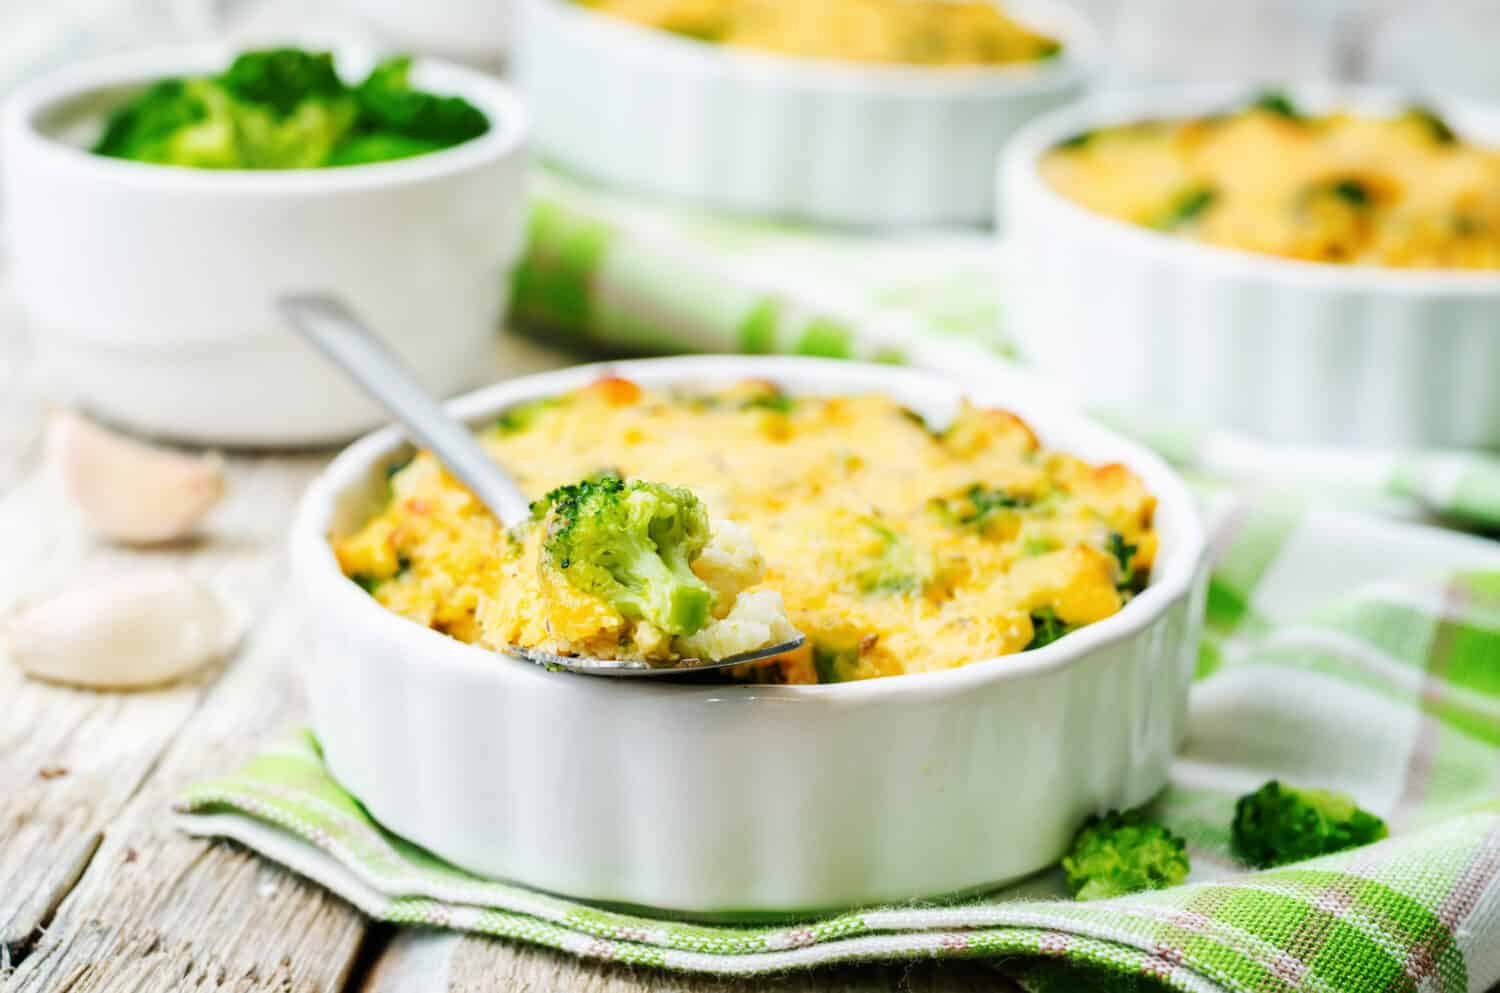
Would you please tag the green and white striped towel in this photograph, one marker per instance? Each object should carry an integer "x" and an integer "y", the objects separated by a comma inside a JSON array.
[
  {"x": 1391, "y": 692},
  {"x": 1344, "y": 650}
]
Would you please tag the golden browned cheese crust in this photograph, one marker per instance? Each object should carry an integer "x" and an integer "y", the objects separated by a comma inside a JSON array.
[
  {"x": 1400, "y": 191},
  {"x": 911, "y": 32},
  {"x": 896, "y": 550}
]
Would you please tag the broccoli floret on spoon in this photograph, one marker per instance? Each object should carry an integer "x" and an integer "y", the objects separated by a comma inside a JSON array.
[{"x": 631, "y": 545}]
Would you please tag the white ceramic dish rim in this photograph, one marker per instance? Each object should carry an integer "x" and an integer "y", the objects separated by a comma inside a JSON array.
[
  {"x": 1019, "y": 168},
  {"x": 1080, "y": 53},
  {"x": 1171, "y": 578},
  {"x": 27, "y": 106}
]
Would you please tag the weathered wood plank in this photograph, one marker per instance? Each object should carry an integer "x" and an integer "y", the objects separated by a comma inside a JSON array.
[
  {"x": 415, "y": 961},
  {"x": 71, "y": 759},
  {"x": 481, "y": 964},
  {"x": 159, "y": 911}
]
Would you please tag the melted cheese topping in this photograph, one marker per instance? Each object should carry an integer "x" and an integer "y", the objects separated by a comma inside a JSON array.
[
  {"x": 1401, "y": 191},
  {"x": 913, "y": 32},
  {"x": 896, "y": 550}
]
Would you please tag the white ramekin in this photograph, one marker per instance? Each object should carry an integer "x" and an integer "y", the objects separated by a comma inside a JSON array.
[
  {"x": 473, "y": 31},
  {"x": 824, "y": 141},
  {"x": 736, "y": 799},
  {"x": 1289, "y": 350},
  {"x": 150, "y": 287}
]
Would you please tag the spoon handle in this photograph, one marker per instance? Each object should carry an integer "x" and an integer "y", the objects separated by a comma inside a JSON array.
[{"x": 330, "y": 326}]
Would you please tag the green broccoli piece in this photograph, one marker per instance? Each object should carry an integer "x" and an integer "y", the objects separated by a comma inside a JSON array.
[
  {"x": 1187, "y": 205},
  {"x": 1048, "y": 49},
  {"x": 1046, "y": 627},
  {"x": 366, "y": 148},
  {"x": 1132, "y": 580},
  {"x": 1120, "y": 853},
  {"x": 143, "y": 128},
  {"x": 773, "y": 400},
  {"x": 631, "y": 545},
  {"x": 388, "y": 105},
  {"x": 1278, "y": 824},
  {"x": 304, "y": 139},
  {"x": 1278, "y": 103},
  {"x": 1437, "y": 128},
  {"x": 523, "y": 415},
  {"x": 834, "y": 663},
  {"x": 975, "y": 506},
  {"x": 899, "y": 567},
  {"x": 1079, "y": 140},
  {"x": 282, "y": 78}
]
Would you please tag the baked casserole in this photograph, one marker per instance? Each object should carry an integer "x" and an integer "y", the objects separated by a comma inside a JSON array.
[
  {"x": 894, "y": 547},
  {"x": 1400, "y": 190},
  {"x": 909, "y": 32}
]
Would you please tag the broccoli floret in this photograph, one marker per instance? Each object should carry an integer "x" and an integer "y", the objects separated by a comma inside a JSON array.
[
  {"x": 834, "y": 663},
  {"x": 522, "y": 416},
  {"x": 898, "y": 567},
  {"x": 1278, "y": 103},
  {"x": 774, "y": 400},
  {"x": 976, "y": 506},
  {"x": 304, "y": 139},
  {"x": 366, "y": 148},
  {"x": 282, "y": 78},
  {"x": 630, "y": 544},
  {"x": 1046, "y": 627},
  {"x": 286, "y": 109},
  {"x": 1079, "y": 140},
  {"x": 1131, "y": 579},
  {"x": 1278, "y": 824},
  {"x": 1437, "y": 128},
  {"x": 540, "y": 506},
  {"x": 388, "y": 105},
  {"x": 1186, "y": 206},
  {"x": 1120, "y": 853},
  {"x": 1347, "y": 189},
  {"x": 143, "y": 128},
  {"x": 1123, "y": 552}
]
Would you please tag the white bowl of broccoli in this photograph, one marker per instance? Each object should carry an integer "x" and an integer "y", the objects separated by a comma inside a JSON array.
[
  {"x": 718, "y": 799},
  {"x": 158, "y": 203}
]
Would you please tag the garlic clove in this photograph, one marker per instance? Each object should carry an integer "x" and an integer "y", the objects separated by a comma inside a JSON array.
[
  {"x": 123, "y": 633},
  {"x": 131, "y": 492}
]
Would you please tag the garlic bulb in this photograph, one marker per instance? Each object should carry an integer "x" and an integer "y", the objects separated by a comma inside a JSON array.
[
  {"x": 131, "y": 492},
  {"x": 123, "y": 633}
]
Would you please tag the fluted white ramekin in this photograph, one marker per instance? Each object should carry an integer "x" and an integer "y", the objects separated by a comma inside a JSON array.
[
  {"x": 151, "y": 288},
  {"x": 834, "y": 142},
  {"x": 734, "y": 799},
  {"x": 1288, "y": 350}
]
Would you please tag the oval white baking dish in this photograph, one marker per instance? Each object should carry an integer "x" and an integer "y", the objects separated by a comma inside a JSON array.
[
  {"x": 150, "y": 287},
  {"x": 1289, "y": 350},
  {"x": 825, "y": 141},
  {"x": 745, "y": 799}
]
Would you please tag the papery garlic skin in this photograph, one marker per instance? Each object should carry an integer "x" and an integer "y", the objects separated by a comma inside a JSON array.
[
  {"x": 131, "y": 492},
  {"x": 126, "y": 632}
]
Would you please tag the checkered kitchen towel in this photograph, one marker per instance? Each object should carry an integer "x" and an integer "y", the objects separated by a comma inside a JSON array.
[{"x": 1391, "y": 692}]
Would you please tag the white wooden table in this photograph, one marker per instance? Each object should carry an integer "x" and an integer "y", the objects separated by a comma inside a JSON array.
[{"x": 98, "y": 891}]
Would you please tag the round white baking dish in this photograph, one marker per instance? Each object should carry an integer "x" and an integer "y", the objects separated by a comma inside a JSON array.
[
  {"x": 745, "y": 799},
  {"x": 1289, "y": 350},
  {"x": 820, "y": 140},
  {"x": 150, "y": 287}
]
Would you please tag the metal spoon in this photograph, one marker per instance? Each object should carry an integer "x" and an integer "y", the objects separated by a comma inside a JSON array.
[{"x": 334, "y": 330}]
